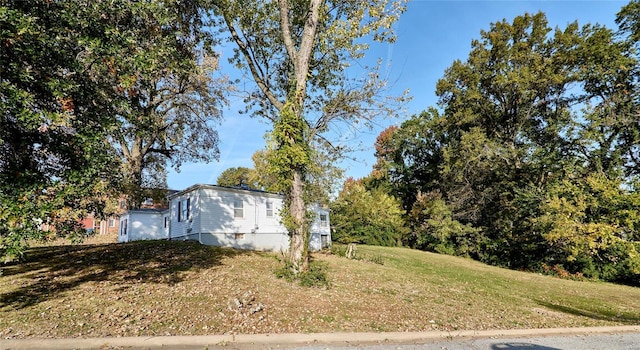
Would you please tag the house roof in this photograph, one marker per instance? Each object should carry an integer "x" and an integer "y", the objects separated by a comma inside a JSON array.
[
  {"x": 148, "y": 210},
  {"x": 223, "y": 188}
]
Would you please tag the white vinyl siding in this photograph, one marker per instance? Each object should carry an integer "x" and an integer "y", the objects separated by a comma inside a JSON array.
[
  {"x": 236, "y": 218},
  {"x": 184, "y": 215}
]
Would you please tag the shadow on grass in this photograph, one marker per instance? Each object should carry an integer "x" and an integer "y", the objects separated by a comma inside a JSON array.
[
  {"x": 631, "y": 318},
  {"x": 51, "y": 271}
]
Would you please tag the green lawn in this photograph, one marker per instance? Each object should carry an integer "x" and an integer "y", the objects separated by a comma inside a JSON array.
[{"x": 170, "y": 288}]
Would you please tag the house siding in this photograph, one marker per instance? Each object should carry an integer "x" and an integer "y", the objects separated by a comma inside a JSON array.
[
  {"x": 211, "y": 220},
  {"x": 217, "y": 213},
  {"x": 141, "y": 225},
  {"x": 319, "y": 229},
  {"x": 184, "y": 226}
]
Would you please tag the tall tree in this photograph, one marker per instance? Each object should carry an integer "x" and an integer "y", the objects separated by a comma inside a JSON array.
[
  {"x": 531, "y": 161},
  {"x": 411, "y": 156},
  {"x": 77, "y": 73},
  {"x": 54, "y": 112},
  {"x": 628, "y": 20},
  {"x": 296, "y": 52},
  {"x": 165, "y": 82},
  {"x": 508, "y": 114}
]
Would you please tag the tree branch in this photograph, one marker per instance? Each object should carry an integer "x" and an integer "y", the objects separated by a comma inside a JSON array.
[
  {"x": 252, "y": 64},
  {"x": 306, "y": 46},
  {"x": 286, "y": 30}
]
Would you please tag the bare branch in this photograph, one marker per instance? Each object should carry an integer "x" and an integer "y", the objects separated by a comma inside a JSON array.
[
  {"x": 286, "y": 30},
  {"x": 252, "y": 64},
  {"x": 307, "y": 46}
]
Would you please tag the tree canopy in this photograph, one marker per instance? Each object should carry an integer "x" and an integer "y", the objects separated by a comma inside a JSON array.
[
  {"x": 166, "y": 85},
  {"x": 368, "y": 217},
  {"x": 54, "y": 114},
  {"x": 87, "y": 86},
  {"x": 535, "y": 137},
  {"x": 238, "y": 177}
]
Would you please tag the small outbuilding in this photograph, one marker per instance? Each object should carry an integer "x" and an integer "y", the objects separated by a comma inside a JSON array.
[{"x": 143, "y": 224}]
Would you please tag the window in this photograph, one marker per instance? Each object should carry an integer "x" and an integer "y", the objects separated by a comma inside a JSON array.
[
  {"x": 183, "y": 209},
  {"x": 323, "y": 220},
  {"x": 269, "y": 209},
  {"x": 112, "y": 222},
  {"x": 238, "y": 209},
  {"x": 239, "y": 236},
  {"x": 123, "y": 204},
  {"x": 166, "y": 221}
]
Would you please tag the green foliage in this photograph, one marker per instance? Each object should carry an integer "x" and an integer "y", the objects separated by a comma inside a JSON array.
[
  {"x": 339, "y": 249},
  {"x": 315, "y": 276},
  {"x": 55, "y": 112},
  {"x": 237, "y": 177},
  {"x": 159, "y": 59},
  {"x": 291, "y": 151},
  {"x": 410, "y": 157},
  {"x": 587, "y": 224},
  {"x": 368, "y": 217},
  {"x": 138, "y": 75},
  {"x": 532, "y": 159},
  {"x": 435, "y": 229}
]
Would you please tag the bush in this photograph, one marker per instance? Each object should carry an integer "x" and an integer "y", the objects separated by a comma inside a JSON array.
[
  {"x": 366, "y": 216},
  {"x": 316, "y": 276},
  {"x": 339, "y": 249}
]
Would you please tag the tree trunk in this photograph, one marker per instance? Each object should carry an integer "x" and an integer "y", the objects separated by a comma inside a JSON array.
[
  {"x": 299, "y": 247},
  {"x": 133, "y": 187}
]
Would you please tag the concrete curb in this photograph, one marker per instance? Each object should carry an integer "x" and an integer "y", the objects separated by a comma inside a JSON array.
[{"x": 296, "y": 339}]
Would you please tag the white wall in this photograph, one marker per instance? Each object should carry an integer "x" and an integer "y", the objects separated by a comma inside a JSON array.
[
  {"x": 212, "y": 220},
  {"x": 254, "y": 230},
  {"x": 320, "y": 229},
  {"x": 217, "y": 212},
  {"x": 273, "y": 242},
  {"x": 141, "y": 225},
  {"x": 185, "y": 226}
]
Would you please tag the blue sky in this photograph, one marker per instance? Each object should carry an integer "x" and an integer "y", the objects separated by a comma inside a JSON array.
[{"x": 431, "y": 35}]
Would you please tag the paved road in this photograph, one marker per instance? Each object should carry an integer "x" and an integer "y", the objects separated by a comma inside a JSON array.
[{"x": 627, "y": 341}]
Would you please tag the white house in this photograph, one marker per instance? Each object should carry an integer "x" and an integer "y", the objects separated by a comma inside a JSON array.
[{"x": 228, "y": 217}]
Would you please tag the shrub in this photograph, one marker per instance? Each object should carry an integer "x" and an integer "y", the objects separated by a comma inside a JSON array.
[
  {"x": 316, "y": 276},
  {"x": 366, "y": 216}
]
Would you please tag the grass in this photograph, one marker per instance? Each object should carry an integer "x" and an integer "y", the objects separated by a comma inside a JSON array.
[{"x": 183, "y": 288}]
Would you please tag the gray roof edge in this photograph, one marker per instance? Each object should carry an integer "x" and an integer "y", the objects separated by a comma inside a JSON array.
[
  {"x": 147, "y": 210},
  {"x": 223, "y": 188}
]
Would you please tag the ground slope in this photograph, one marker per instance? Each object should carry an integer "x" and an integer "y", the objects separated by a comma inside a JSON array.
[{"x": 183, "y": 288}]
